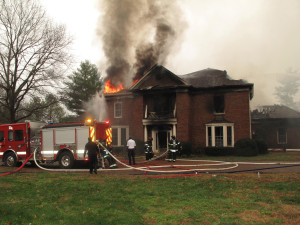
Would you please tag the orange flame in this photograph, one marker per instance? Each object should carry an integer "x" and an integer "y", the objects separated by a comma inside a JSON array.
[{"x": 109, "y": 88}]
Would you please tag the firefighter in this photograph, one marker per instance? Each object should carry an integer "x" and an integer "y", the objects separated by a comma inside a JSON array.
[
  {"x": 111, "y": 160},
  {"x": 93, "y": 150},
  {"x": 148, "y": 149},
  {"x": 174, "y": 146},
  {"x": 105, "y": 155}
]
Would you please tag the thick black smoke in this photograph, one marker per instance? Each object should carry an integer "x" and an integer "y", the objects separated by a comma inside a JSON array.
[{"x": 137, "y": 34}]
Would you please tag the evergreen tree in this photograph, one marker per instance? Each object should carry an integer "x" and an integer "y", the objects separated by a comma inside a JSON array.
[{"x": 83, "y": 84}]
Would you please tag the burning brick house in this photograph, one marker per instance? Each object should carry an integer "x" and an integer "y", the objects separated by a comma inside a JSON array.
[{"x": 204, "y": 108}]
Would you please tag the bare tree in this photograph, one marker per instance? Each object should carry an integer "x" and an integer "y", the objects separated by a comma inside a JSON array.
[{"x": 33, "y": 53}]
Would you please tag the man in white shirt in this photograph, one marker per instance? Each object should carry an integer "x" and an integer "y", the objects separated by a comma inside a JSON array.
[{"x": 131, "y": 146}]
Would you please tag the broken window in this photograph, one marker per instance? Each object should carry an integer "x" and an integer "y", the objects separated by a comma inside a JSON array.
[
  {"x": 219, "y": 104},
  {"x": 161, "y": 104}
]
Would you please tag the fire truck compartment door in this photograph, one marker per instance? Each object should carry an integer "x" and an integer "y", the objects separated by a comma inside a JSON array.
[
  {"x": 82, "y": 139},
  {"x": 47, "y": 140},
  {"x": 64, "y": 136}
]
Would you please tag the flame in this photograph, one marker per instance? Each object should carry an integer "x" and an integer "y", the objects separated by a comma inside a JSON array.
[{"x": 109, "y": 88}]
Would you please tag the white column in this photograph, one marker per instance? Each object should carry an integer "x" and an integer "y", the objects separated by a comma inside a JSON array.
[
  {"x": 174, "y": 130},
  {"x": 225, "y": 136},
  {"x": 145, "y": 133},
  {"x": 213, "y": 137}
]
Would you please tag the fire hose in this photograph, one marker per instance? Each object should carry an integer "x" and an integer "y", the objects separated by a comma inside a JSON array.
[
  {"x": 143, "y": 169},
  {"x": 18, "y": 169}
]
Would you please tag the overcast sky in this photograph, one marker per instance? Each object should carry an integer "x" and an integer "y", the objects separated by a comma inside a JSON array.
[{"x": 256, "y": 40}]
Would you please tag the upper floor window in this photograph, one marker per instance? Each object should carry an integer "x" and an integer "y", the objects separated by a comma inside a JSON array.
[
  {"x": 281, "y": 134},
  {"x": 118, "y": 110},
  {"x": 219, "y": 104}
]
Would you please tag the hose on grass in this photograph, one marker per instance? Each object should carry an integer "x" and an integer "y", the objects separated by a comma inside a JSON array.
[{"x": 18, "y": 169}]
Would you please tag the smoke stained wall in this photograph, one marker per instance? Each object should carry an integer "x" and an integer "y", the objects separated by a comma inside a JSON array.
[{"x": 137, "y": 35}]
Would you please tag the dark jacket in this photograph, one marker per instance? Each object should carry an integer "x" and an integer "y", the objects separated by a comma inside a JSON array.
[{"x": 92, "y": 149}]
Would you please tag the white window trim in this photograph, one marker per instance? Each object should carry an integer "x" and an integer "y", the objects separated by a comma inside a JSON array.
[
  {"x": 115, "y": 116},
  {"x": 224, "y": 125},
  {"x": 119, "y": 133}
]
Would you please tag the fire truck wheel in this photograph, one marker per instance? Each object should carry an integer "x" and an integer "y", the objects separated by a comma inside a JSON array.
[
  {"x": 10, "y": 160},
  {"x": 66, "y": 160}
]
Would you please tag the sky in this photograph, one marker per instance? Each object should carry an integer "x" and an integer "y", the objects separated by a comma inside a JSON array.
[{"x": 255, "y": 40}]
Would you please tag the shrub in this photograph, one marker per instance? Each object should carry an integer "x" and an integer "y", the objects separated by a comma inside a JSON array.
[
  {"x": 140, "y": 147},
  {"x": 219, "y": 151},
  {"x": 186, "y": 148},
  {"x": 246, "y": 147},
  {"x": 262, "y": 146}
]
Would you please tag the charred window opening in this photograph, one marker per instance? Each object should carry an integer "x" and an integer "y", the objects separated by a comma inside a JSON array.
[
  {"x": 118, "y": 110},
  {"x": 161, "y": 105},
  {"x": 281, "y": 136},
  {"x": 219, "y": 104}
]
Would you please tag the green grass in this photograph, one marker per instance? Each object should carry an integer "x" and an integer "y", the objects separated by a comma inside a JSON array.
[{"x": 67, "y": 198}]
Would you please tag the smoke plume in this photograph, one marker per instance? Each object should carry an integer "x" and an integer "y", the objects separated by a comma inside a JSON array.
[{"x": 137, "y": 35}]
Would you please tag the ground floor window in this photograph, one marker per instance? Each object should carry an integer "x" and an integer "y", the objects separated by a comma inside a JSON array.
[
  {"x": 219, "y": 135},
  {"x": 120, "y": 135},
  {"x": 281, "y": 136}
]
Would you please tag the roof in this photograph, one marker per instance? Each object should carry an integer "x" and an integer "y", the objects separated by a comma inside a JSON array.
[
  {"x": 208, "y": 78},
  {"x": 275, "y": 112},
  {"x": 159, "y": 77}
]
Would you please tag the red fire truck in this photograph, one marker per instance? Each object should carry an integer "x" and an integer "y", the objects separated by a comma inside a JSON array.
[{"x": 56, "y": 142}]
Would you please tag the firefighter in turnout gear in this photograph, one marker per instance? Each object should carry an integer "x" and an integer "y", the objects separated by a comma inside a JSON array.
[
  {"x": 174, "y": 146},
  {"x": 148, "y": 149},
  {"x": 106, "y": 156}
]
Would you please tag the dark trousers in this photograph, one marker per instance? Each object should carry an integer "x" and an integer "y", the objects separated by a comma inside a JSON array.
[
  {"x": 172, "y": 155},
  {"x": 93, "y": 163},
  {"x": 149, "y": 155},
  {"x": 131, "y": 155}
]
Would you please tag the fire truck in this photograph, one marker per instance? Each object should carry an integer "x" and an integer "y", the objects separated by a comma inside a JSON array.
[{"x": 63, "y": 142}]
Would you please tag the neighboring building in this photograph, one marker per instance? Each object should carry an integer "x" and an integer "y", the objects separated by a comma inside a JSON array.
[
  {"x": 277, "y": 125},
  {"x": 205, "y": 108}
]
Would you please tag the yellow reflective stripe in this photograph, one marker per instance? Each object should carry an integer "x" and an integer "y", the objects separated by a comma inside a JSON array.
[
  {"x": 92, "y": 133},
  {"x": 108, "y": 135}
]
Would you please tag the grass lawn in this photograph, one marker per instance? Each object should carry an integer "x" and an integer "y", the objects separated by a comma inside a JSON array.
[{"x": 77, "y": 198}]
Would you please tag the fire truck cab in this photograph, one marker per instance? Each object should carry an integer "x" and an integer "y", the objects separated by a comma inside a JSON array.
[
  {"x": 65, "y": 143},
  {"x": 17, "y": 141}
]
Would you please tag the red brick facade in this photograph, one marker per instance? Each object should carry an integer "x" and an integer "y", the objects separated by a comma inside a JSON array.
[{"x": 190, "y": 111}]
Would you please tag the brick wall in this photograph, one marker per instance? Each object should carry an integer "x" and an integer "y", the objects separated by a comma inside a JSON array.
[
  {"x": 237, "y": 111},
  {"x": 132, "y": 114},
  {"x": 183, "y": 106}
]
